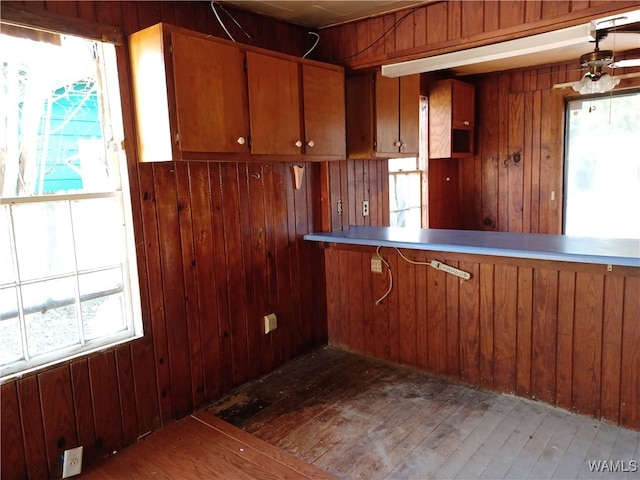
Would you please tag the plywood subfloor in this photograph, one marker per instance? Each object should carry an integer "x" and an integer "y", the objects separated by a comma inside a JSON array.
[
  {"x": 203, "y": 447},
  {"x": 359, "y": 418}
]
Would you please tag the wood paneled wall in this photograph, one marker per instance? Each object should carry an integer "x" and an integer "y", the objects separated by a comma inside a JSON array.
[
  {"x": 565, "y": 334},
  {"x": 540, "y": 330},
  {"x": 219, "y": 245},
  {"x": 445, "y": 26}
]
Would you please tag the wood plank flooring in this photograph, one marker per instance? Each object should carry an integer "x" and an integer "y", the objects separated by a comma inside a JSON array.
[
  {"x": 359, "y": 418},
  {"x": 203, "y": 447}
]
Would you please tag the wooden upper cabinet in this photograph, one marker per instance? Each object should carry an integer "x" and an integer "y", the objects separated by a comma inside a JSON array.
[
  {"x": 190, "y": 95},
  {"x": 451, "y": 119},
  {"x": 324, "y": 111},
  {"x": 274, "y": 105},
  {"x": 202, "y": 98},
  {"x": 211, "y": 103},
  {"x": 383, "y": 116}
]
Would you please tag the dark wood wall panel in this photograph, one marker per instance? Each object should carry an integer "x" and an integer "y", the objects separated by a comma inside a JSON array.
[
  {"x": 516, "y": 111},
  {"x": 219, "y": 246},
  {"x": 445, "y": 26},
  {"x": 559, "y": 333}
]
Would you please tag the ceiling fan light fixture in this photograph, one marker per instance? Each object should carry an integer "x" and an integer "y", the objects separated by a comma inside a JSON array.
[{"x": 590, "y": 84}]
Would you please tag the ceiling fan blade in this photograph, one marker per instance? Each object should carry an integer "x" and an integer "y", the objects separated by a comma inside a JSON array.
[
  {"x": 631, "y": 62},
  {"x": 570, "y": 84}
]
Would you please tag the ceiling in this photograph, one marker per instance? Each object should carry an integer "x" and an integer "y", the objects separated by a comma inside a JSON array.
[{"x": 322, "y": 13}]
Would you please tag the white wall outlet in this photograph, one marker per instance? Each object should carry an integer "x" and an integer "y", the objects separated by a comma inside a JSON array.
[
  {"x": 376, "y": 264},
  {"x": 72, "y": 462},
  {"x": 365, "y": 208},
  {"x": 270, "y": 322}
]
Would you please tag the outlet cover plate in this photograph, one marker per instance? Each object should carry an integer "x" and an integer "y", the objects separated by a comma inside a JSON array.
[{"x": 72, "y": 462}]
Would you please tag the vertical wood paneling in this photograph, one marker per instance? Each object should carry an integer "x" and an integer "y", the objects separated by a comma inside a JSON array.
[
  {"x": 486, "y": 325},
  {"x": 12, "y": 460},
  {"x": 106, "y": 403},
  {"x": 195, "y": 254},
  {"x": 564, "y": 365},
  {"x": 543, "y": 331},
  {"x": 630, "y": 368},
  {"x": 524, "y": 331},
  {"x": 515, "y": 171},
  {"x": 32, "y": 422},
  {"x": 190, "y": 281},
  {"x": 206, "y": 287},
  {"x": 126, "y": 389},
  {"x": 505, "y": 328},
  {"x": 543, "y": 334},
  {"x": 436, "y": 321},
  {"x": 453, "y": 323},
  {"x": 58, "y": 417},
  {"x": 82, "y": 401},
  {"x": 407, "y": 308},
  {"x": 395, "y": 316},
  {"x": 174, "y": 305},
  {"x": 469, "y": 311},
  {"x": 612, "y": 346},
  {"x": 587, "y": 337},
  {"x": 154, "y": 278}
]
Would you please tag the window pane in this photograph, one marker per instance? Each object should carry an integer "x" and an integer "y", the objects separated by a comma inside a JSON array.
[
  {"x": 50, "y": 315},
  {"x": 44, "y": 239},
  {"x": 53, "y": 94},
  {"x": 99, "y": 232},
  {"x": 102, "y": 303},
  {"x": 6, "y": 259},
  {"x": 10, "y": 339},
  {"x": 603, "y": 167},
  {"x": 392, "y": 194}
]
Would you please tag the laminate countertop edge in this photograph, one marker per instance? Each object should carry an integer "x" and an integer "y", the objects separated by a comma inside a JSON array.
[{"x": 603, "y": 251}]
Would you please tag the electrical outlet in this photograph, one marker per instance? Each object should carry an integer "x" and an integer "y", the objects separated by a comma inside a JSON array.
[
  {"x": 376, "y": 264},
  {"x": 365, "y": 208},
  {"x": 270, "y": 322},
  {"x": 72, "y": 462}
]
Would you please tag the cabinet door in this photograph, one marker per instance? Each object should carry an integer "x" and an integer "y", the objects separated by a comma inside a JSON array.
[
  {"x": 387, "y": 115},
  {"x": 274, "y": 105},
  {"x": 324, "y": 111},
  {"x": 462, "y": 99},
  {"x": 211, "y": 95},
  {"x": 410, "y": 114}
]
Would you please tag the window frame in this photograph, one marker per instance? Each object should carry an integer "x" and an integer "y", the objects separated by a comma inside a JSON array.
[
  {"x": 120, "y": 192},
  {"x": 566, "y": 139}
]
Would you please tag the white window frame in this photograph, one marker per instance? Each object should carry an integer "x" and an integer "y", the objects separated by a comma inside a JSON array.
[
  {"x": 602, "y": 209},
  {"x": 132, "y": 324}
]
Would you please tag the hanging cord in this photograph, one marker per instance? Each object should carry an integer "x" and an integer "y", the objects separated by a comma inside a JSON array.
[
  {"x": 386, "y": 264},
  {"x": 314, "y": 45},
  {"x": 381, "y": 37},
  {"x": 215, "y": 12},
  {"x": 433, "y": 263}
]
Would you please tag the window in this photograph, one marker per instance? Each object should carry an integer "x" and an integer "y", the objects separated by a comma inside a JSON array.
[
  {"x": 407, "y": 182},
  {"x": 67, "y": 286},
  {"x": 602, "y": 169},
  {"x": 405, "y": 198}
]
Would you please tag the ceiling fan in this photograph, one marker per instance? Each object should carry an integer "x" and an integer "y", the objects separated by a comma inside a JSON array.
[{"x": 595, "y": 80}]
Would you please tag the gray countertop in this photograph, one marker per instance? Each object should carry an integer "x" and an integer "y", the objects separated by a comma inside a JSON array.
[{"x": 607, "y": 251}]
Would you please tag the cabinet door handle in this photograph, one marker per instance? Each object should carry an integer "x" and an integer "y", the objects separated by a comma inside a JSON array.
[
  {"x": 242, "y": 140},
  {"x": 403, "y": 145},
  {"x": 397, "y": 144},
  {"x": 311, "y": 143},
  {"x": 466, "y": 122},
  {"x": 298, "y": 143}
]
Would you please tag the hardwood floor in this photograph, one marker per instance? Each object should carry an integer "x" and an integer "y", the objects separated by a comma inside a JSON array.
[
  {"x": 359, "y": 418},
  {"x": 203, "y": 447}
]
